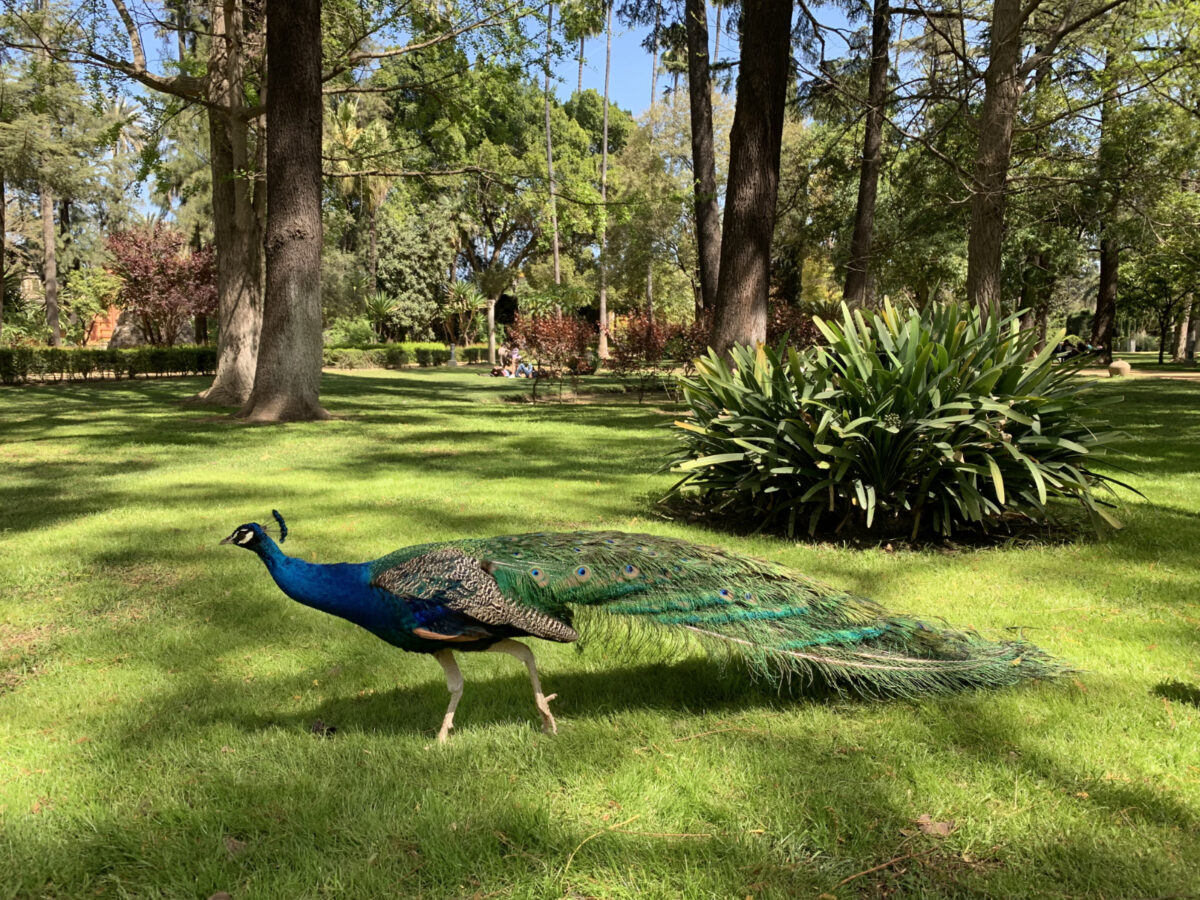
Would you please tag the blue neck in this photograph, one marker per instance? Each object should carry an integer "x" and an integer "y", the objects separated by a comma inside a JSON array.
[{"x": 341, "y": 589}]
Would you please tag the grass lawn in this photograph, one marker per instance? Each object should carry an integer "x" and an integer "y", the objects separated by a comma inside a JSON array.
[{"x": 158, "y": 695}]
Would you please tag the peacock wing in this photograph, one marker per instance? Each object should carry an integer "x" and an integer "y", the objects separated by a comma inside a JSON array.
[{"x": 449, "y": 579}]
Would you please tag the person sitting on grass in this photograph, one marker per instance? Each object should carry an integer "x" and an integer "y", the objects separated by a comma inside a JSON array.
[{"x": 524, "y": 370}]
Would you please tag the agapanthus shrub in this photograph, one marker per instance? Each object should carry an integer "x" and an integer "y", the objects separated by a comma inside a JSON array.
[{"x": 900, "y": 423}]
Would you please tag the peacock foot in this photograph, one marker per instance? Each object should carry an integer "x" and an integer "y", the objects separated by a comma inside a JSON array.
[
  {"x": 444, "y": 733},
  {"x": 549, "y": 726}
]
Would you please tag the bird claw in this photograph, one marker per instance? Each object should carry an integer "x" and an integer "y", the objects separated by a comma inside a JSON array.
[{"x": 549, "y": 726}]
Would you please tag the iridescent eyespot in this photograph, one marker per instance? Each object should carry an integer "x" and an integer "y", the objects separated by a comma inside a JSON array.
[
  {"x": 748, "y": 596},
  {"x": 517, "y": 553},
  {"x": 581, "y": 571},
  {"x": 723, "y": 592},
  {"x": 630, "y": 572},
  {"x": 538, "y": 576}
]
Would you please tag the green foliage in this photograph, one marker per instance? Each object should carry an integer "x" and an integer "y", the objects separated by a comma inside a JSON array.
[
  {"x": 88, "y": 293},
  {"x": 21, "y": 364},
  {"x": 349, "y": 332},
  {"x": 904, "y": 422}
]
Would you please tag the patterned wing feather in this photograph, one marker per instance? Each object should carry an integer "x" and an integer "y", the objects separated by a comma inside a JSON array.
[{"x": 447, "y": 578}]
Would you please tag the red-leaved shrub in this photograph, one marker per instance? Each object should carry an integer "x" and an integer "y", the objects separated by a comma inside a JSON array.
[{"x": 164, "y": 284}]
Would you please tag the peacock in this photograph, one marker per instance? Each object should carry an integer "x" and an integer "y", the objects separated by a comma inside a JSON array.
[{"x": 480, "y": 594}]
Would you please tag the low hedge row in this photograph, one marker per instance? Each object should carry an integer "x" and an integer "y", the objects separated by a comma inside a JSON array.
[
  {"x": 21, "y": 364},
  {"x": 387, "y": 356}
]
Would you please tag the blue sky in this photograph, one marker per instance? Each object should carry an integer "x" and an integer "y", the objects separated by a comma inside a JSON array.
[{"x": 629, "y": 84}]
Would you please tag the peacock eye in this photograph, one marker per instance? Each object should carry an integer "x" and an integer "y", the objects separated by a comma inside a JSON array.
[
  {"x": 581, "y": 571},
  {"x": 724, "y": 592}
]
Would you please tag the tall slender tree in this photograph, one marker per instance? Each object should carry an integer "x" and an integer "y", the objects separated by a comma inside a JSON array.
[
  {"x": 288, "y": 373},
  {"x": 704, "y": 166},
  {"x": 603, "y": 346},
  {"x": 753, "y": 185},
  {"x": 858, "y": 269}
]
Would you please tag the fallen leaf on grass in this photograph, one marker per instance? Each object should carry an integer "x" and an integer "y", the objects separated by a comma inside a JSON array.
[
  {"x": 221, "y": 895},
  {"x": 234, "y": 847},
  {"x": 926, "y": 825}
]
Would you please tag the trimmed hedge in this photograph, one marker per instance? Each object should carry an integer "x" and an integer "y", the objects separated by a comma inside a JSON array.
[
  {"x": 386, "y": 356},
  {"x": 19, "y": 365}
]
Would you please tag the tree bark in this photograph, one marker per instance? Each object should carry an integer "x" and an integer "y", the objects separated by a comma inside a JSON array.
[
  {"x": 704, "y": 160},
  {"x": 1181, "y": 341},
  {"x": 491, "y": 320},
  {"x": 1110, "y": 251},
  {"x": 372, "y": 246},
  {"x": 50, "y": 266},
  {"x": 855, "y": 291},
  {"x": 288, "y": 374},
  {"x": 1106, "y": 298},
  {"x": 579, "y": 88},
  {"x": 602, "y": 348},
  {"x": 237, "y": 229},
  {"x": 550, "y": 150},
  {"x": 754, "y": 147},
  {"x": 1003, "y": 86}
]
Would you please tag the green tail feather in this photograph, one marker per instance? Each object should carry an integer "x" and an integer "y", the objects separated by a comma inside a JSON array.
[{"x": 779, "y": 622}]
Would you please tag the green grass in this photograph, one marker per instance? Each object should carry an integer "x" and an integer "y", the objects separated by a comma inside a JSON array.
[{"x": 158, "y": 694}]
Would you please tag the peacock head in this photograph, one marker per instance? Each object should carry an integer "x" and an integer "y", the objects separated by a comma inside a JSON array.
[{"x": 251, "y": 535}]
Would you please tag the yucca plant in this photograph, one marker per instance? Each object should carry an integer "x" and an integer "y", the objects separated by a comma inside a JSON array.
[{"x": 902, "y": 422}]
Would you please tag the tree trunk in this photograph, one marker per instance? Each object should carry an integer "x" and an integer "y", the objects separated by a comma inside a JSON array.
[
  {"x": 1181, "y": 341},
  {"x": 237, "y": 228},
  {"x": 550, "y": 151},
  {"x": 491, "y": 317},
  {"x": 50, "y": 266},
  {"x": 1106, "y": 298},
  {"x": 602, "y": 349},
  {"x": 704, "y": 161},
  {"x": 716, "y": 57},
  {"x": 64, "y": 279},
  {"x": 1003, "y": 86},
  {"x": 288, "y": 375},
  {"x": 372, "y": 244},
  {"x": 579, "y": 88},
  {"x": 653, "y": 125},
  {"x": 754, "y": 147},
  {"x": 855, "y": 291}
]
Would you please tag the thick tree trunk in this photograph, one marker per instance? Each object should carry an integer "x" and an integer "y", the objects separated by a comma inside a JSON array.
[
  {"x": 704, "y": 160},
  {"x": 1106, "y": 298},
  {"x": 50, "y": 266},
  {"x": 550, "y": 151},
  {"x": 288, "y": 375},
  {"x": 602, "y": 349},
  {"x": 1003, "y": 86},
  {"x": 855, "y": 291},
  {"x": 1181, "y": 340},
  {"x": 754, "y": 146},
  {"x": 237, "y": 229}
]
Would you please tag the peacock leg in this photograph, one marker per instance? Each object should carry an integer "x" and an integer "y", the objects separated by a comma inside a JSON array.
[
  {"x": 523, "y": 653},
  {"x": 454, "y": 681}
]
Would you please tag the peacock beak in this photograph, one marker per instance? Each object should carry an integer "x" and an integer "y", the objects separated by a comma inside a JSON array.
[{"x": 228, "y": 540}]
